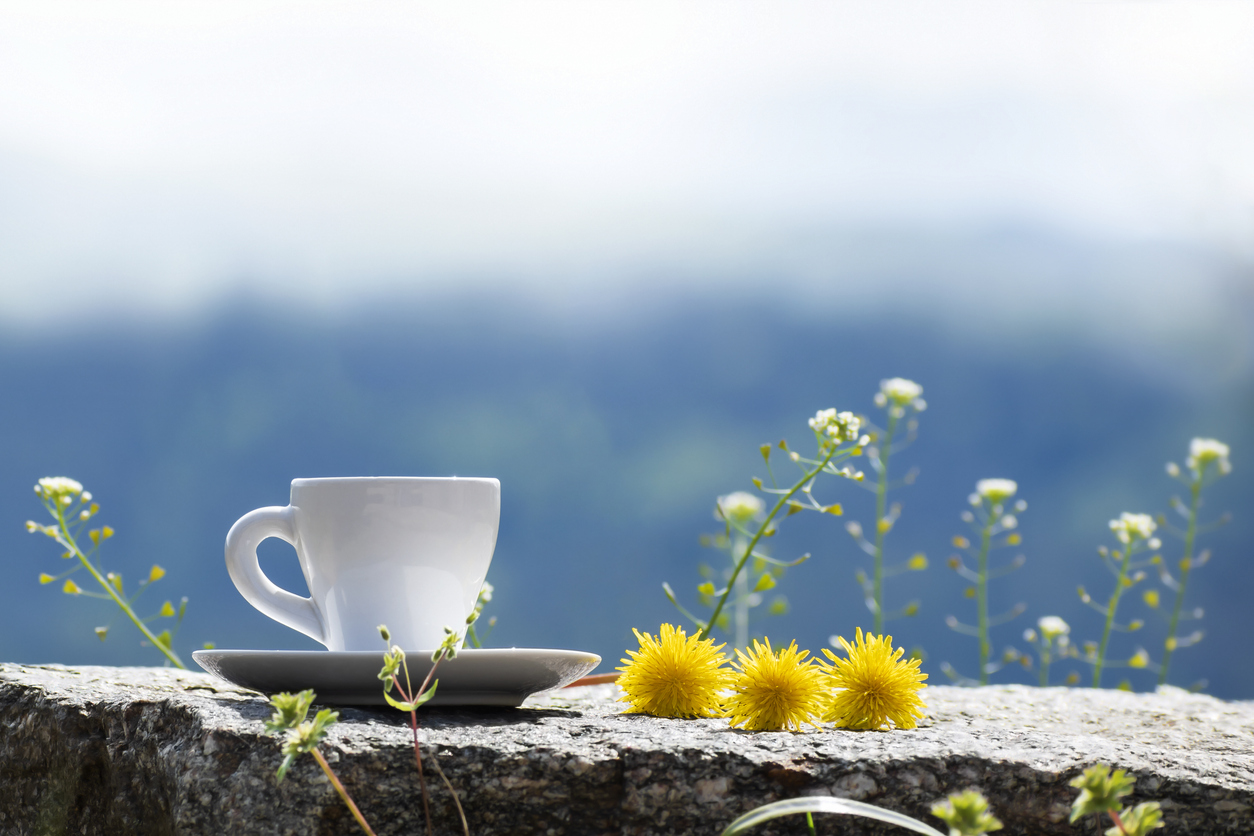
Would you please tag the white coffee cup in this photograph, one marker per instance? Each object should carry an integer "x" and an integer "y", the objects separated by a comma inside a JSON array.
[{"x": 408, "y": 552}]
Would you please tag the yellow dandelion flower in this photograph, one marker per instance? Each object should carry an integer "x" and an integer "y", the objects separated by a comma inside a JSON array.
[
  {"x": 674, "y": 675},
  {"x": 874, "y": 686},
  {"x": 775, "y": 690}
]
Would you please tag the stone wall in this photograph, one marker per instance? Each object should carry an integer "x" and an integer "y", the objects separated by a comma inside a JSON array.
[{"x": 98, "y": 750}]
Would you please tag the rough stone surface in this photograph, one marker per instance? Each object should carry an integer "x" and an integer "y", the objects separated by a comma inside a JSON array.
[{"x": 99, "y": 750}]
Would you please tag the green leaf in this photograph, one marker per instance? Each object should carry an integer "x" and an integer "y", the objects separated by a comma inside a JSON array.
[
  {"x": 1100, "y": 790},
  {"x": 825, "y": 804},
  {"x": 289, "y": 710},
  {"x": 1139, "y": 820},
  {"x": 418, "y": 701},
  {"x": 966, "y": 813},
  {"x": 392, "y": 661},
  {"x": 288, "y": 760}
]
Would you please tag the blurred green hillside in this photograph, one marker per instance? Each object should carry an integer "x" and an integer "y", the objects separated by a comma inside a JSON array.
[{"x": 612, "y": 439}]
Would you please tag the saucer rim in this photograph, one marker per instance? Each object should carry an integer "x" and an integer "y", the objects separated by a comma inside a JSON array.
[
  {"x": 511, "y": 689},
  {"x": 467, "y": 651}
]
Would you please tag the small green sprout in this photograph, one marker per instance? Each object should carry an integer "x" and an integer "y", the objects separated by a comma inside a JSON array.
[
  {"x": 1138, "y": 820},
  {"x": 303, "y": 737},
  {"x": 71, "y": 509},
  {"x": 994, "y": 521},
  {"x": 747, "y": 521},
  {"x": 394, "y": 667},
  {"x": 473, "y": 636},
  {"x": 902, "y": 400},
  {"x": 1101, "y": 791},
  {"x": 966, "y": 813}
]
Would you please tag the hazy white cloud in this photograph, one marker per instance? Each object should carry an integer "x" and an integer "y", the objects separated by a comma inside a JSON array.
[{"x": 154, "y": 155}]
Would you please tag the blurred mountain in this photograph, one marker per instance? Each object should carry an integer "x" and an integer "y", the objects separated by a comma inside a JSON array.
[{"x": 612, "y": 436}]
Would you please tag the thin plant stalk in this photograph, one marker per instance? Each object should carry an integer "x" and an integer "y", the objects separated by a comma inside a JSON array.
[
  {"x": 67, "y": 540},
  {"x": 1111, "y": 606},
  {"x": 881, "y": 502},
  {"x": 413, "y": 725},
  {"x": 981, "y": 597},
  {"x": 1046, "y": 653},
  {"x": 339, "y": 787},
  {"x": 1185, "y": 564},
  {"x": 753, "y": 541}
]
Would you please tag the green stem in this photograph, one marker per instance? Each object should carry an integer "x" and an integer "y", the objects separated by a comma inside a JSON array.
[
  {"x": 753, "y": 542},
  {"x": 741, "y": 605},
  {"x": 1045, "y": 658},
  {"x": 1111, "y": 606},
  {"x": 881, "y": 499},
  {"x": 1185, "y": 565},
  {"x": 108, "y": 588},
  {"x": 335, "y": 781},
  {"x": 981, "y": 596}
]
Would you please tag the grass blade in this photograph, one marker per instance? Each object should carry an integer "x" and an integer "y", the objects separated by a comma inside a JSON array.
[{"x": 825, "y": 804}]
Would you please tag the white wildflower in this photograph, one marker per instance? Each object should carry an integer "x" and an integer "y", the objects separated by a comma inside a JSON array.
[
  {"x": 738, "y": 507},
  {"x": 1052, "y": 627},
  {"x": 1131, "y": 527},
  {"x": 899, "y": 390},
  {"x": 821, "y": 419},
  {"x": 59, "y": 487},
  {"x": 1203, "y": 451},
  {"x": 839, "y": 426},
  {"x": 996, "y": 491}
]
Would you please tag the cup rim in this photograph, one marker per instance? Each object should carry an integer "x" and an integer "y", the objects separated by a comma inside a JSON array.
[{"x": 316, "y": 480}]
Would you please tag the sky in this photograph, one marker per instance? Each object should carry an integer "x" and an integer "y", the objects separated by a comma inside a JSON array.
[{"x": 157, "y": 159}]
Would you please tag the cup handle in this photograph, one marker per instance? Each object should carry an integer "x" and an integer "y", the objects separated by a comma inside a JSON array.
[{"x": 241, "y": 563}]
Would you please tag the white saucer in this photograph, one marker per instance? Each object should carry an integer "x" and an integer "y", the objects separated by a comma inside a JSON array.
[{"x": 487, "y": 676}]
